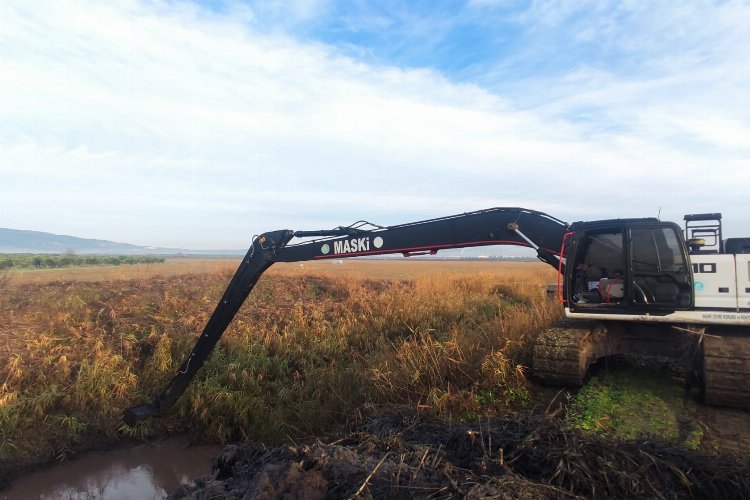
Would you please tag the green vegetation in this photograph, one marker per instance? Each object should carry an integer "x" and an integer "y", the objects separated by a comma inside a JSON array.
[
  {"x": 53, "y": 261},
  {"x": 629, "y": 402}
]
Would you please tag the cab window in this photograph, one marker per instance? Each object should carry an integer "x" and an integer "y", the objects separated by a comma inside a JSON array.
[
  {"x": 598, "y": 277},
  {"x": 659, "y": 269}
]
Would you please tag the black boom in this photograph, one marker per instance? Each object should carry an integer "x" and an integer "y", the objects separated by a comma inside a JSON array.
[{"x": 494, "y": 226}]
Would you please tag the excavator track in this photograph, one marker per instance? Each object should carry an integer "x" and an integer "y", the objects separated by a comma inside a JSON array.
[
  {"x": 726, "y": 368},
  {"x": 562, "y": 353}
]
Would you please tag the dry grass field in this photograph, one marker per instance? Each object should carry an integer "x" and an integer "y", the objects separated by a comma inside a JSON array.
[
  {"x": 350, "y": 269},
  {"x": 171, "y": 267},
  {"x": 313, "y": 347}
]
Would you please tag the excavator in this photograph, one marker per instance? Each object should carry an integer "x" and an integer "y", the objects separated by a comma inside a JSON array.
[{"x": 628, "y": 286}]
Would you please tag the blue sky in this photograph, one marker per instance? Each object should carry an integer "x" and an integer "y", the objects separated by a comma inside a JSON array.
[{"x": 199, "y": 124}]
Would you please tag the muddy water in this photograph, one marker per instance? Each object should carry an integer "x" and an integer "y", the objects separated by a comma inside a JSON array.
[{"x": 143, "y": 472}]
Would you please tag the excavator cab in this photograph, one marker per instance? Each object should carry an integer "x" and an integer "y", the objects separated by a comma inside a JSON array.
[{"x": 627, "y": 266}]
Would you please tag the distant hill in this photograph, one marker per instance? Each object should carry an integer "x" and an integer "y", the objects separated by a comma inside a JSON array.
[{"x": 21, "y": 241}]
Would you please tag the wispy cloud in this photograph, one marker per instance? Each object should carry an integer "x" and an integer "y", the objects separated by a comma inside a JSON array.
[{"x": 175, "y": 124}]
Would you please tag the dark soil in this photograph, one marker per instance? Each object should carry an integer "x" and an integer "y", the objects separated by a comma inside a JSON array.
[{"x": 531, "y": 458}]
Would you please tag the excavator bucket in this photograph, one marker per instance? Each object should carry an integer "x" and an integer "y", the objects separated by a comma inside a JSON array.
[{"x": 138, "y": 413}]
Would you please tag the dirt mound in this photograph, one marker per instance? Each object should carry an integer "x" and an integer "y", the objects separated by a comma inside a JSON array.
[{"x": 401, "y": 457}]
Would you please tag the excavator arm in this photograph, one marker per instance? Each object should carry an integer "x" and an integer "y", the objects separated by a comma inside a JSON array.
[{"x": 495, "y": 226}]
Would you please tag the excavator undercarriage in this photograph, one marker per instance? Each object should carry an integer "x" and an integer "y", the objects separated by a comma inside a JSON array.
[{"x": 715, "y": 358}]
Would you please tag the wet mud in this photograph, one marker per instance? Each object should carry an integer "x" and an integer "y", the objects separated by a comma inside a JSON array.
[
  {"x": 726, "y": 429},
  {"x": 533, "y": 458}
]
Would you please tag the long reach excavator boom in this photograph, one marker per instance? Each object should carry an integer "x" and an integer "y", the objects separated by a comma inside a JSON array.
[{"x": 495, "y": 226}]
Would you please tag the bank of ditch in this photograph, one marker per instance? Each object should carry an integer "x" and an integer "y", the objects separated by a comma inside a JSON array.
[{"x": 527, "y": 458}]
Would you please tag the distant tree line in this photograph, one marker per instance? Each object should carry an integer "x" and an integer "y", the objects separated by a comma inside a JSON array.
[{"x": 52, "y": 261}]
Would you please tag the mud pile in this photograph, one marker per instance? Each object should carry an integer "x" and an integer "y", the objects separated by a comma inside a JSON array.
[{"x": 402, "y": 457}]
